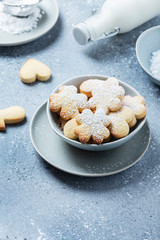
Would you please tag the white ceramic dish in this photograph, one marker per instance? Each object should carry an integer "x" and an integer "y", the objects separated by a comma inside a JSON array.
[
  {"x": 84, "y": 163},
  {"x": 147, "y": 43},
  {"x": 45, "y": 24},
  {"x": 54, "y": 122}
]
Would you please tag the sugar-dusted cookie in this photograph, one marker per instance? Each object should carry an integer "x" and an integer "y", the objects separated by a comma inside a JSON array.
[
  {"x": 69, "y": 129},
  {"x": 120, "y": 121},
  {"x": 92, "y": 126},
  {"x": 11, "y": 115},
  {"x": 107, "y": 97},
  {"x": 34, "y": 69},
  {"x": 136, "y": 104},
  {"x": 68, "y": 102},
  {"x": 87, "y": 86},
  {"x": 92, "y": 84}
]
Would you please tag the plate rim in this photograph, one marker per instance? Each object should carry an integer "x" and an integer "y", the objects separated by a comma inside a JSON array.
[
  {"x": 33, "y": 38},
  {"x": 139, "y": 39},
  {"x": 84, "y": 174}
]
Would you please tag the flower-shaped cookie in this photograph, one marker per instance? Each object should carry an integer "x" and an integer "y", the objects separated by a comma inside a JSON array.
[
  {"x": 92, "y": 126},
  {"x": 121, "y": 121},
  {"x": 89, "y": 85},
  {"x": 68, "y": 102},
  {"x": 136, "y": 104},
  {"x": 107, "y": 97}
]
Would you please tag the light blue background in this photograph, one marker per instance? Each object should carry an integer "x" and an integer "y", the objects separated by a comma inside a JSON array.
[{"x": 39, "y": 202}]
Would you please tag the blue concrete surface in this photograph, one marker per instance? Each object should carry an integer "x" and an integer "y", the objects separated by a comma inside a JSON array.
[{"x": 39, "y": 202}]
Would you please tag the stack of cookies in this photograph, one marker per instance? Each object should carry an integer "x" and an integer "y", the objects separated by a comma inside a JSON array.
[{"x": 100, "y": 111}]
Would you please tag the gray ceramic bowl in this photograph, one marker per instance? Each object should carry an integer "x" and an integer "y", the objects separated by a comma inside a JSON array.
[
  {"x": 148, "y": 42},
  {"x": 53, "y": 119}
]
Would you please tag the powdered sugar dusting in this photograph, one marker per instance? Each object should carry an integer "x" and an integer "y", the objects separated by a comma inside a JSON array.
[
  {"x": 89, "y": 85},
  {"x": 135, "y": 104},
  {"x": 105, "y": 94},
  {"x": 16, "y": 25},
  {"x": 95, "y": 124},
  {"x": 69, "y": 101},
  {"x": 108, "y": 97},
  {"x": 155, "y": 64}
]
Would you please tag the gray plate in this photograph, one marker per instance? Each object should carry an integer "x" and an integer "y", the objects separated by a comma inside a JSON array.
[
  {"x": 48, "y": 20},
  {"x": 80, "y": 162}
]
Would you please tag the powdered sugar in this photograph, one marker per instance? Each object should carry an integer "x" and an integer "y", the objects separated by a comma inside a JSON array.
[
  {"x": 89, "y": 85},
  {"x": 107, "y": 98},
  {"x": 94, "y": 124},
  {"x": 71, "y": 97},
  {"x": 155, "y": 64},
  {"x": 104, "y": 95},
  {"x": 136, "y": 104},
  {"x": 16, "y": 25},
  {"x": 89, "y": 118},
  {"x": 68, "y": 102}
]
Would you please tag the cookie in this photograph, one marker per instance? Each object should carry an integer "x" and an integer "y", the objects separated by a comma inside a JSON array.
[
  {"x": 107, "y": 97},
  {"x": 92, "y": 126},
  {"x": 11, "y": 115},
  {"x": 34, "y": 69},
  {"x": 136, "y": 104},
  {"x": 87, "y": 86},
  {"x": 62, "y": 122},
  {"x": 120, "y": 120},
  {"x": 133, "y": 122},
  {"x": 68, "y": 102},
  {"x": 69, "y": 129}
]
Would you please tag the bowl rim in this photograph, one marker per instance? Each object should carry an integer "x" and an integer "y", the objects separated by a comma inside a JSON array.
[
  {"x": 139, "y": 39},
  {"x": 93, "y": 145}
]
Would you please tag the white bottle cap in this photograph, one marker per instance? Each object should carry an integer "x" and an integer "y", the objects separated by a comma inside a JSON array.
[{"x": 81, "y": 33}]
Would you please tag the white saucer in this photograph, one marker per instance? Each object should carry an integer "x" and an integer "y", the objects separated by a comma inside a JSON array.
[
  {"x": 48, "y": 20},
  {"x": 80, "y": 162}
]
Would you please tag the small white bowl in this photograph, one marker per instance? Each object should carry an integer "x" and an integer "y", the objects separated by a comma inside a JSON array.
[
  {"x": 54, "y": 122},
  {"x": 147, "y": 43}
]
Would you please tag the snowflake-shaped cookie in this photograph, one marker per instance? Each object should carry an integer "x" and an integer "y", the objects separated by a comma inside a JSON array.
[
  {"x": 106, "y": 95},
  {"x": 92, "y": 126},
  {"x": 89, "y": 85},
  {"x": 67, "y": 102}
]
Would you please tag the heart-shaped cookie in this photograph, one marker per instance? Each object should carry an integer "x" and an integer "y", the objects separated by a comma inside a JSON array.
[
  {"x": 34, "y": 69},
  {"x": 11, "y": 115}
]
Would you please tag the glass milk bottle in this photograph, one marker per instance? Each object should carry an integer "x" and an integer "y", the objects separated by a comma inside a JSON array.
[{"x": 116, "y": 16}]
